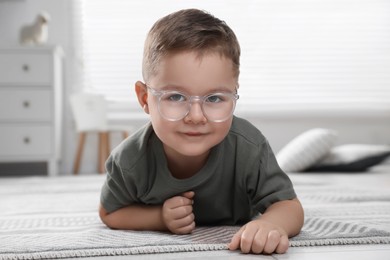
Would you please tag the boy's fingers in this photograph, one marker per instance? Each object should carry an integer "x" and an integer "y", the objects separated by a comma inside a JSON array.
[
  {"x": 188, "y": 194},
  {"x": 283, "y": 245},
  {"x": 273, "y": 240},
  {"x": 183, "y": 222},
  {"x": 247, "y": 239},
  {"x": 185, "y": 230},
  {"x": 259, "y": 242},
  {"x": 181, "y": 212},
  {"x": 236, "y": 239},
  {"x": 178, "y": 201}
]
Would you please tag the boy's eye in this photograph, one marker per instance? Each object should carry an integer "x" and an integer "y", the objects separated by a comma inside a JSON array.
[
  {"x": 215, "y": 98},
  {"x": 175, "y": 97}
]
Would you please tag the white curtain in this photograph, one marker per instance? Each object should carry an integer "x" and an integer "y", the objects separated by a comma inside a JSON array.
[{"x": 305, "y": 55}]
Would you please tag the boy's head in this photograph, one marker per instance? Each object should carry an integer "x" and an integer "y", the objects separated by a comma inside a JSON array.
[
  {"x": 189, "y": 30},
  {"x": 190, "y": 68}
]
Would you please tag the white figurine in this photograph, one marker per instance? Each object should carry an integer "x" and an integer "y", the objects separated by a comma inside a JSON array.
[{"x": 36, "y": 33}]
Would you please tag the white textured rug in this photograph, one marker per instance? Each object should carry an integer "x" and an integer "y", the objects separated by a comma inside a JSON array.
[{"x": 42, "y": 218}]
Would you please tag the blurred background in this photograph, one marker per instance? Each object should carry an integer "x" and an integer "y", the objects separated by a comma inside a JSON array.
[{"x": 305, "y": 64}]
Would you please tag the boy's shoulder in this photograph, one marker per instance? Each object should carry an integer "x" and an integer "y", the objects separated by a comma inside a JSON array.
[
  {"x": 245, "y": 130},
  {"x": 134, "y": 148}
]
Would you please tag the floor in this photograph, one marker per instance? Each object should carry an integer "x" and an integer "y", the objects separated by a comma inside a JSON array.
[
  {"x": 361, "y": 252},
  {"x": 378, "y": 177}
]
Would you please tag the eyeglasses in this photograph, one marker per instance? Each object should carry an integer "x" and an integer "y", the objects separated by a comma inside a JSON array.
[{"x": 175, "y": 105}]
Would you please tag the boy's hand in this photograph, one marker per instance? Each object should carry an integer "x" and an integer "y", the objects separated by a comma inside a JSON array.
[
  {"x": 177, "y": 213},
  {"x": 260, "y": 236}
]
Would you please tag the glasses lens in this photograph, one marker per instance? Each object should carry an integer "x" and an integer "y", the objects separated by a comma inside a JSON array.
[
  {"x": 173, "y": 105},
  {"x": 218, "y": 107}
]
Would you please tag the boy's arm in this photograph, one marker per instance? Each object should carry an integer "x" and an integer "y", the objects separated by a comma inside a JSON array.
[
  {"x": 174, "y": 215},
  {"x": 287, "y": 214},
  {"x": 134, "y": 217},
  {"x": 270, "y": 232}
]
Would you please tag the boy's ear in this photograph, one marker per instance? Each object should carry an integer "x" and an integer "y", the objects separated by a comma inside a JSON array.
[{"x": 142, "y": 95}]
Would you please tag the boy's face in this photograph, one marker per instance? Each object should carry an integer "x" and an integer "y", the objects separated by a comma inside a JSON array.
[{"x": 194, "y": 135}]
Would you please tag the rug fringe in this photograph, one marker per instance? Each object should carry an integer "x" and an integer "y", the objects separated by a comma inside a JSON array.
[
  {"x": 341, "y": 241},
  {"x": 113, "y": 251}
]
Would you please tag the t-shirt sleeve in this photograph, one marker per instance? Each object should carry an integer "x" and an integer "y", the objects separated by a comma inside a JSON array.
[
  {"x": 271, "y": 184},
  {"x": 117, "y": 191}
]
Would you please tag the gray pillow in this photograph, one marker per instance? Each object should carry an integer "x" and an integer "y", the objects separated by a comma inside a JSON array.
[
  {"x": 306, "y": 149},
  {"x": 352, "y": 158}
]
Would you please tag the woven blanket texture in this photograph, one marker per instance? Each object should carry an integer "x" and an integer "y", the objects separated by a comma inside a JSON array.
[{"x": 48, "y": 218}]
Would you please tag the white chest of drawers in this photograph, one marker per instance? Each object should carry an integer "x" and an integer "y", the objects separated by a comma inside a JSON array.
[{"x": 31, "y": 106}]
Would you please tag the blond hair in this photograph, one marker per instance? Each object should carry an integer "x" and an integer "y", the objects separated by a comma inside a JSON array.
[{"x": 189, "y": 30}]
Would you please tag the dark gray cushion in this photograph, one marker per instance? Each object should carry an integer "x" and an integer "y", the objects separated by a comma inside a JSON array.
[{"x": 352, "y": 158}]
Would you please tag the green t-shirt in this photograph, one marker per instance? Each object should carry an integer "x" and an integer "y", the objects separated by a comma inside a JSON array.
[{"x": 240, "y": 179}]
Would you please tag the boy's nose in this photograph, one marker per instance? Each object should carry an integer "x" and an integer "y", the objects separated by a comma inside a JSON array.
[{"x": 195, "y": 115}]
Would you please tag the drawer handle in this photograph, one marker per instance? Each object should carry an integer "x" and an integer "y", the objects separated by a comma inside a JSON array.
[
  {"x": 26, "y": 104},
  {"x": 26, "y": 140},
  {"x": 26, "y": 68}
]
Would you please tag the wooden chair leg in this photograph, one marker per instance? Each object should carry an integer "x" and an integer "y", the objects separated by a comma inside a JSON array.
[
  {"x": 103, "y": 147},
  {"x": 108, "y": 146},
  {"x": 79, "y": 153},
  {"x": 125, "y": 134}
]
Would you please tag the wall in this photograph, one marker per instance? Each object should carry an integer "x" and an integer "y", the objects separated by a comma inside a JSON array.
[
  {"x": 15, "y": 13},
  {"x": 352, "y": 127},
  {"x": 365, "y": 126}
]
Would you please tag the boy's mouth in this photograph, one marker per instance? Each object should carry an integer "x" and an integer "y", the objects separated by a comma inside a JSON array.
[{"x": 193, "y": 133}]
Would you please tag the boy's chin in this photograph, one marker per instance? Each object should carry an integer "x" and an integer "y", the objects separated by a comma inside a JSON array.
[
  {"x": 194, "y": 152},
  {"x": 191, "y": 151}
]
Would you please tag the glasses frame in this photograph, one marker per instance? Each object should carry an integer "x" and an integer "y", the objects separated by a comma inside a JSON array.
[{"x": 191, "y": 99}]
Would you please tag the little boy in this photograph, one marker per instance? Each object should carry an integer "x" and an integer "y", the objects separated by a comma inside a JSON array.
[{"x": 196, "y": 163}]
